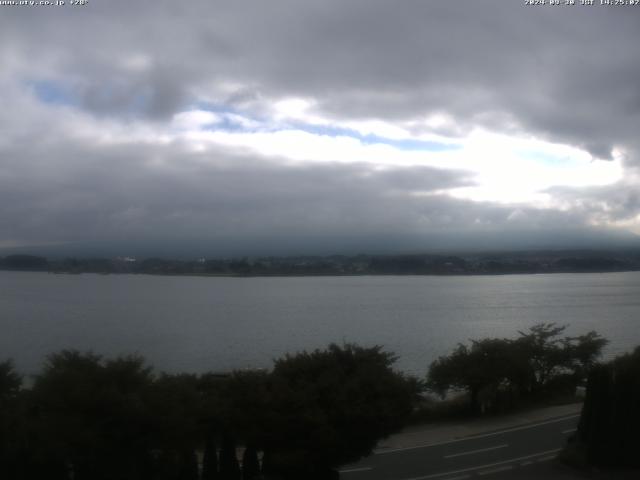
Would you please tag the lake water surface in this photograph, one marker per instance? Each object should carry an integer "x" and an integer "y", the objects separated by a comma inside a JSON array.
[{"x": 211, "y": 323}]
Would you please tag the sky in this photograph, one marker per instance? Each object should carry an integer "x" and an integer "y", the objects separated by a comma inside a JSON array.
[{"x": 250, "y": 127}]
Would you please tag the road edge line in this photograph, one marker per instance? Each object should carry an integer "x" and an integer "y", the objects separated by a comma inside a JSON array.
[{"x": 480, "y": 435}]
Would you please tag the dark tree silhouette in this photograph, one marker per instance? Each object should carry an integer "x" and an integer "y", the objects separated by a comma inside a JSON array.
[
  {"x": 331, "y": 407},
  {"x": 10, "y": 381},
  {"x": 210, "y": 459},
  {"x": 10, "y": 384},
  {"x": 24, "y": 262},
  {"x": 538, "y": 362},
  {"x": 250, "y": 464},
  {"x": 484, "y": 366},
  {"x": 608, "y": 429},
  {"x": 91, "y": 416},
  {"x": 98, "y": 419},
  {"x": 229, "y": 466},
  {"x": 188, "y": 465}
]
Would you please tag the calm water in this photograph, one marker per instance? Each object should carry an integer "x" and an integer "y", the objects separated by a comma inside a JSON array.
[{"x": 196, "y": 324}]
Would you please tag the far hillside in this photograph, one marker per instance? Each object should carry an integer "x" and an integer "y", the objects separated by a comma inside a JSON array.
[{"x": 496, "y": 263}]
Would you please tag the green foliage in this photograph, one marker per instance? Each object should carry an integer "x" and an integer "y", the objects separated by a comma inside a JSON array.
[
  {"x": 332, "y": 406},
  {"x": 92, "y": 415},
  {"x": 543, "y": 348},
  {"x": 550, "y": 356},
  {"x": 583, "y": 352},
  {"x": 610, "y": 421},
  {"x": 486, "y": 366},
  {"x": 242, "y": 402},
  {"x": 113, "y": 419},
  {"x": 538, "y": 362},
  {"x": 174, "y": 403},
  {"x": 108, "y": 419}
]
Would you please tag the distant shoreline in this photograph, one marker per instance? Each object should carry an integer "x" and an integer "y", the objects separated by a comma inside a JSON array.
[
  {"x": 472, "y": 264},
  {"x": 305, "y": 275}
]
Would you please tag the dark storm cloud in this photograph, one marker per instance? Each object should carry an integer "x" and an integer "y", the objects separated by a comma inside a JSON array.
[
  {"x": 89, "y": 193},
  {"x": 568, "y": 74},
  {"x": 60, "y": 184},
  {"x": 66, "y": 189}
]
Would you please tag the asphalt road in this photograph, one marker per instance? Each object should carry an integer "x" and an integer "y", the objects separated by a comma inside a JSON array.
[{"x": 487, "y": 456}]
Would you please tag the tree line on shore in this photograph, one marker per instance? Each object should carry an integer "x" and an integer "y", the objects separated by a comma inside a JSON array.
[
  {"x": 87, "y": 417},
  {"x": 425, "y": 264}
]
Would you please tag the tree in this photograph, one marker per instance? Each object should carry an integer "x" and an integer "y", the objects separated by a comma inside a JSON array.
[
  {"x": 610, "y": 421},
  {"x": 331, "y": 407},
  {"x": 486, "y": 365},
  {"x": 250, "y": 463},
  {"x": 10, "y": 381},
  {"x": 539, "y": 361},
  {"x": 188, "y": 465},
  {"x": 175, "y": 407},
  {"x": 10, "y": 419},
  {"x": 239, "y": 403},
  {"x": 210, "y": 459},
  {"x": 91, "y": 415},
  {"x": 551, "y": 357},
  {"x": 229, "y": 466},
  {"x": 544, "y": 351},
  {"x": 583, "y": 352}
]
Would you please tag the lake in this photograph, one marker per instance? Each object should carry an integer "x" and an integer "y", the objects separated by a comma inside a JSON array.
[{"x": 196, "y": 324}]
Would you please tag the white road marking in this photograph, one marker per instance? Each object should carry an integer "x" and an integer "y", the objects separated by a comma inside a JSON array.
[
  {"x": 496, "y": 470},
  {"x": 570, "y": 430},
  {"x": 461, "y": 477},
  {"x": 473, "y": 437},
  {"x": 471, "y": 452},
  {"x": 360, "y": 469},
  {"x": 489, "y": 465}
]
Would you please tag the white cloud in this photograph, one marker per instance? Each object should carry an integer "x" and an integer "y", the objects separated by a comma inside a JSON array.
[
  {"x": 194, "y": 120},
  {"x": 507, "y": 169}
]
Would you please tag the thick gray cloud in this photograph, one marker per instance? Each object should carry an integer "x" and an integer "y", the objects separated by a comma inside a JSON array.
[
  {"x": 618, "y": 203},
  {"x": 565, "y": 72},
  {"x": 568, "y": 74},
  {"x": 75, "y": 192}
]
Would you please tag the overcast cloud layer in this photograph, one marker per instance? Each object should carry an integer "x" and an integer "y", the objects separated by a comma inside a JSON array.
[{"x": 285, "y": 126}]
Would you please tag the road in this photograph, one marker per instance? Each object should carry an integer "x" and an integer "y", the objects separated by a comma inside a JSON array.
[{"x": 485, "y": 456}]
